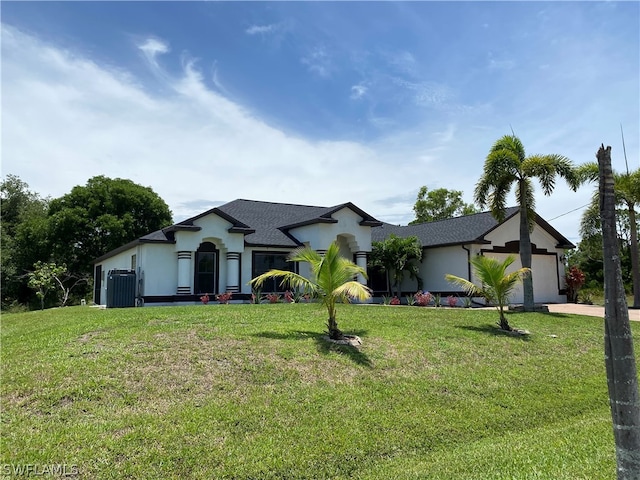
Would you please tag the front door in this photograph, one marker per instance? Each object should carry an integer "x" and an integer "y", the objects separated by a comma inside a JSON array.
[{"x": 206, "y": 280}]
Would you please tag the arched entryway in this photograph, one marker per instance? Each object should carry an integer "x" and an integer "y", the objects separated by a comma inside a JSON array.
[{"x": 206, "y": 271}]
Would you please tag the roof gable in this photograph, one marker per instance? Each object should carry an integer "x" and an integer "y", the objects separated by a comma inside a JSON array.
[
  {"x": 459, "y": 230},
  {"x": 272, "y": 221}
]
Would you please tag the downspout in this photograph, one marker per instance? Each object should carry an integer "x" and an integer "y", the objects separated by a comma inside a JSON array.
[
  {"x": 468, "y": 250},
  {"x": 468, "y": 261}
]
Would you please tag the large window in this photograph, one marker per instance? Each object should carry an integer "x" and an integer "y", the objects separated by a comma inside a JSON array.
[{"x": 265, "y": 261}]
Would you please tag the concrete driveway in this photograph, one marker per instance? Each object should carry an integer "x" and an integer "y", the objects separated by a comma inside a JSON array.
[{"x": 590, "y": 310}]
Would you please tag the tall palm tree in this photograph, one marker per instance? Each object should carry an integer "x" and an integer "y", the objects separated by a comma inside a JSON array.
[
  {"x": 506, "y": 165},
  {"x": 332, "y": 280},
  {"x": 496, "y": 284},
  {"x": 620, "y": 360}
]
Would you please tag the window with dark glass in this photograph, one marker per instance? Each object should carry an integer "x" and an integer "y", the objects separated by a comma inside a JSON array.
[{"x": 265, "y": 261}]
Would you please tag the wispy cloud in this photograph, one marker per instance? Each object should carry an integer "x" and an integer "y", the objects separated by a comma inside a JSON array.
[
  {"x": 151, "y": 48},
  {"x": 426, "y": 93},
  {"x": 318, "y": 61},
  {"x": 358, "y": 91},
  {"x": 262, "y": 29},
  {"x": 402, "y": 62}
]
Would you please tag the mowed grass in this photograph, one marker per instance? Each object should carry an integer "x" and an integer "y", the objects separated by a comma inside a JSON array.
[{"x": 254, "y": 392}]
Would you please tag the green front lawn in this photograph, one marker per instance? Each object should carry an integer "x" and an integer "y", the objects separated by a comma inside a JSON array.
[{"x": 253, "y": 391}]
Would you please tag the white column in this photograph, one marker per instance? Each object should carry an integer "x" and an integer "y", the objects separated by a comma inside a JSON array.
[
  {"x": 233, "y": 272},
  {"x": 184, "y": 273},
  {"x": 361, "y": 261}
]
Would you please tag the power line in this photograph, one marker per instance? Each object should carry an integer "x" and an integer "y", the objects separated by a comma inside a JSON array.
[{"x": 570, "y": 211}]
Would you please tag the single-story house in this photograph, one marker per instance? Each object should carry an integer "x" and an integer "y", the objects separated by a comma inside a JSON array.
[
  {"x": 222, "y": 249},
  {"x": 448, "y": 245}
]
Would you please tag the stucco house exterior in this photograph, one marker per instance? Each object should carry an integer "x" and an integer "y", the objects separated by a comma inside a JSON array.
[
  {"x": 448, "y": 245},
  {"x": 222, "y": 249}
]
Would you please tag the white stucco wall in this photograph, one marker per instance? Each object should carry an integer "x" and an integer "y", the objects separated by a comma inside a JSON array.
[
  {"x": 320, "y": 235},
  {"x": 436, "y": 262},
  {"x": 159, "y": 269}
]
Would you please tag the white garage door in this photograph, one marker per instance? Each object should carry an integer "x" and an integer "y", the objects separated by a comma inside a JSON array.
[{"x": 545, "y": 278}]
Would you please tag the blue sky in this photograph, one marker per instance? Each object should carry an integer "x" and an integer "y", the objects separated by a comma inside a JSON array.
[{"x": 313, "y": 102}]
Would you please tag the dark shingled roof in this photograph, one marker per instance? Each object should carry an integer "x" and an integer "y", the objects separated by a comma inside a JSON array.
[
  {"x": 271, "y": 221},
  {"x": 458, "y": 230},
  {"x": 263, "y": 223}
]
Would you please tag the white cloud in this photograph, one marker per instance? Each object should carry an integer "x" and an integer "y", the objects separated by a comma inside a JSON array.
[
  {"x": 153, "y": 47},
  {"x": 67, "y": 119},
  {"x": 358, "y": 91},
  {"x": 261, "y": 29},
  {"x": 318, "y": 61}
]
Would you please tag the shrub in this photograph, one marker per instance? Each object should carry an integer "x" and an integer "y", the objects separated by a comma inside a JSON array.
[
  {"x": 574, "y": 279},
  {"x": 272, "y": 297},
  {"x": 224, "y": 298},
  {"x": 205, "y": 298},
  {"x": 423, "y": 299},
  {"x": 452, "y": 301}
]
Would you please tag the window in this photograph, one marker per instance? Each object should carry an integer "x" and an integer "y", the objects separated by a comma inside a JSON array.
[
  {"x": 265, "y": 261},
  {"x": 133, "y": 262}
]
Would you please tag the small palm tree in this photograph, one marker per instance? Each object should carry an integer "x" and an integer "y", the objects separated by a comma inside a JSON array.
[
  {"x": 497, "y": 285},
  {"x": 332, "y": 280}
]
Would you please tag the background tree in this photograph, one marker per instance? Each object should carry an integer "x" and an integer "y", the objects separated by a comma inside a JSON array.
[
  {"x": 331, "y": 280},
  {"x": 101, "y": 216},
  {"x": 627, "y": 196},
  {"x": 395, "y": 256},
  {"x": 440, "y": 204},
  {"x": 622, "y": 378},
  {"x": 23, "y": 238},
  {"x": 496, "y": 285},
  {"x": 507, "y": 165},
  {"x": 44, "y": 278}
]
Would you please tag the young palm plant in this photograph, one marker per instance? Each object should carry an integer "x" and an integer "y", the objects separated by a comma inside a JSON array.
[
  {"x": 332, "y": 280},
  {"x": 497, "y": 285}
]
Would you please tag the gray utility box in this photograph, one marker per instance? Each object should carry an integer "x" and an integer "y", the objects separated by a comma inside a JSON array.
[{"x": 121, "y": 288}]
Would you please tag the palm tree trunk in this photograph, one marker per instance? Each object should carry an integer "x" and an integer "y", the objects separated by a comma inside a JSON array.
[
  {"x": 332, "y": 324},
  {"x": 525, "y": 258},
  {"x": 504, "y": 323},
  {"x": 635, "y": 261},
  {"x": 620, "y": 360}
]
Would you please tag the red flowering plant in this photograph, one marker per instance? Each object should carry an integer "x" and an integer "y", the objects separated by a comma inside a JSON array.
[
  {"x": 288, "y": 297},
  {"x": 205, "y": 298},
  {"x": 224, "y": 298},
  {"x": 574, "y": 279},
  {"x": 423, "y": 298},
  {"x": 272, "y": 297},
  {"x": 394, "y": 301},
  {"x": 452, "y": 301}
]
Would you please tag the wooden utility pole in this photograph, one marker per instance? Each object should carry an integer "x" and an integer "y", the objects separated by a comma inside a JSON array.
[{"x": 622, "y": 378}]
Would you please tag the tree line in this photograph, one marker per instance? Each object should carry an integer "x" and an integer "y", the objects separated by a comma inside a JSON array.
[{"x": 47, "y": 245}]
